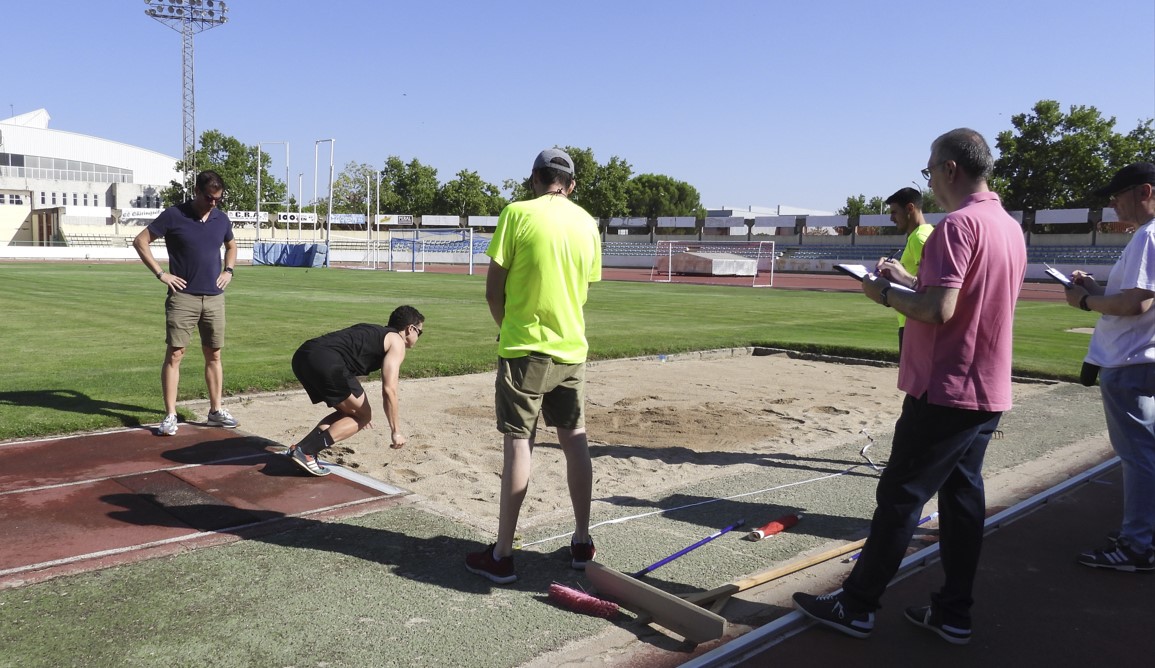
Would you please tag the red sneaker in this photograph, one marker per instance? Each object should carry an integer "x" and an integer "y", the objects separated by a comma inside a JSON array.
[
  {"x": 498, "y": 570},
  {"x": 580, "y": 553}
]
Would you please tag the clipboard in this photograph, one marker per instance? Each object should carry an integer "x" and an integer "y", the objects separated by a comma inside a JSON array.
[
  {"x": 860, "y": 272},
  {"x": 853, "y": 270},
  {"x": 1057, "y": 276}
]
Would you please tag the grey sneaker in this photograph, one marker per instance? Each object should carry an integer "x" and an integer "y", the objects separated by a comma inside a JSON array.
[
  {"x": 1120, "y": 556},
  {"x": 221, "y": 418},
  {"x": 167, "y": 426},
  {"x": 829, "y": 611},
  {"x": 307, "y": 462}
]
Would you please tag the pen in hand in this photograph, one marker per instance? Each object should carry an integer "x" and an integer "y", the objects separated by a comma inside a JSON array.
[{"x": 889, "y": 258}]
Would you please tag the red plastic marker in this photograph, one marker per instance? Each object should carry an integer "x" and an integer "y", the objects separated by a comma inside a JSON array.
[{"x": 781, "y": 524}]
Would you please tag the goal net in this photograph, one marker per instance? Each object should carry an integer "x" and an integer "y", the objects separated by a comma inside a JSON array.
[
  {"x": 349, "y": 252},
  {"x": 412, "y": 249},
  {"x": 715, "y": 258}
]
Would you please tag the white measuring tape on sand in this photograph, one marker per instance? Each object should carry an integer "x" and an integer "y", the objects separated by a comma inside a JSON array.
[{"x": 692, "y": 505}]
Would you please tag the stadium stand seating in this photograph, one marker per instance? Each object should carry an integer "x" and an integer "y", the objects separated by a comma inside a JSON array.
[{"x": 96, "y": 240}]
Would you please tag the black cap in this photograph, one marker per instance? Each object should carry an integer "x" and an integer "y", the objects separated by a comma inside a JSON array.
[{"x": 1132, "y": 175}]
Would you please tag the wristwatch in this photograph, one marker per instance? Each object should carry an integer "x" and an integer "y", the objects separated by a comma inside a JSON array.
[
  {"x": 882, "y": 295},
  {"x": 159, "y": 273},
  {"x": 229, "y": 269},
  {"x": 1083, "y": 303}
]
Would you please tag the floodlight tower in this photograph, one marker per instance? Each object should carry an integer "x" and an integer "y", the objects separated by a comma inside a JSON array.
[{"x": 188, "y": 17}]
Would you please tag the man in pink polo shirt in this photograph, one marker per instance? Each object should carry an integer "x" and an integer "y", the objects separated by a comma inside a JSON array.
[{"x": 956, "y": 372}]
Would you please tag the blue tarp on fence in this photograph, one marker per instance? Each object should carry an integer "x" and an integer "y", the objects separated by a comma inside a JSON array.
[{"x": 290, "y": 255}]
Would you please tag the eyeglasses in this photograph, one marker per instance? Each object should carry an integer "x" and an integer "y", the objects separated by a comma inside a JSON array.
[
  {"x": 212, "y": 199},
  {"x": 1122, "y": 192},
  {"x": 419, "y": 331},
  {"x": 926, "y": 172}
]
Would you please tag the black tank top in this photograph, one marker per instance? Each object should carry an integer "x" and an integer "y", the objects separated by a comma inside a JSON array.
[{"x": 361, "y": 346}]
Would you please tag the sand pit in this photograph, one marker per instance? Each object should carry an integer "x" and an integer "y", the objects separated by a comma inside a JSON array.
[{"x": 654, "y": 424}]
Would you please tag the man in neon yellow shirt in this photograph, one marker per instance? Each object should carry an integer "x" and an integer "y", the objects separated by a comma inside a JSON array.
[
  {"x": 906, "y": 213},
  {"x": 544, "y": 254}
]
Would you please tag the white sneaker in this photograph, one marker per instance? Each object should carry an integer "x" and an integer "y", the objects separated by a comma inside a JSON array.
[
  {"x": 167, "y": 426},
  {"x": 221, "y": 418}
]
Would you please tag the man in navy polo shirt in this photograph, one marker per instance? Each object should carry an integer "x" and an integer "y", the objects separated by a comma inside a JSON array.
[{"x": 193, "y": 233}]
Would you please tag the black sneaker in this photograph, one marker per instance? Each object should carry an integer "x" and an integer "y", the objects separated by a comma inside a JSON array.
[
  {"x": 924, "y": 617},
  {"x": 830, "y": 611},
  {"x": 482, "y": 563},
  {"x": 1120, "y": 556},
  {"x": 581, "y": 554}
]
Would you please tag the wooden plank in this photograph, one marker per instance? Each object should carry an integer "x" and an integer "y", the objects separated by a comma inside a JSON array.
[
  {"x": 731, "y": 588},
  {"x": 688, "y": 620}
]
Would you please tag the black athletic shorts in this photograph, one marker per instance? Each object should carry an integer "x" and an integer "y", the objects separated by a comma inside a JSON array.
[{"x": 323, "y": 374}]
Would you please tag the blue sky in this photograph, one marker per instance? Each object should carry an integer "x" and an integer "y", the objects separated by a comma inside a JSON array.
[{"x": 753, "y": 103}]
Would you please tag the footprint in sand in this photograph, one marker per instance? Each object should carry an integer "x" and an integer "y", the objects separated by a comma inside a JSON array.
[
  {"x": 408, "y": 474},
  {"x": 830, "y": 410}
]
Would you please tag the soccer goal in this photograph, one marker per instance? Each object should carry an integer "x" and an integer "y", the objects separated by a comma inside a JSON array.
[
  {"x": 715, "y": 258},
  {"x": 411, "y": 249},
  {"x": 360, "y": 252}
]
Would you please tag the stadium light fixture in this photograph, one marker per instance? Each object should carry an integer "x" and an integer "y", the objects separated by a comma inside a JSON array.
[{"x": 188, "y": 17}]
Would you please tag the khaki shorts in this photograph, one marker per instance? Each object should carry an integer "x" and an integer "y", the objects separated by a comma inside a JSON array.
[
  {"x": 183, "y": 313},
  {"x": 536, "y": 383}
]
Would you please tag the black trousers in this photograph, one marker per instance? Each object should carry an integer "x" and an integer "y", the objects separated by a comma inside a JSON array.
[{"x": 940, "y": 450}]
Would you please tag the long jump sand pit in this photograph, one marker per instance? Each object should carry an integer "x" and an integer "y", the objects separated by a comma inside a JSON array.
[
  {"x": 682, "y": 446},
  {"x": 655, "y": 424}
]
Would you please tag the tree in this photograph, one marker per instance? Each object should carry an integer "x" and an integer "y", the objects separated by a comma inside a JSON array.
[
  {"x": 1052, "y": 160},
  {"x": 237, "y": 164},
  {"x": 857, "y": 206},
  {"x": 602, "y": 190},
  {"x": 654, "y": 195},
  {"x": 353, "y": 186},
  {"x": 468, "y": 195},
  {"x": 930, "y": 204},
  {"x": 408, "y": 188},
  {"x": 519, "y": 191}
]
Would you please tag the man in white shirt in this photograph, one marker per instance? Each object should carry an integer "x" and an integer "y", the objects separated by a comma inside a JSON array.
[{"x": 1123, "y": 346}]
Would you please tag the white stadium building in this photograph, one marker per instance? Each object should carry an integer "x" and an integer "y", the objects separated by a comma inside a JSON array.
[{"x": 58, "y": 186}]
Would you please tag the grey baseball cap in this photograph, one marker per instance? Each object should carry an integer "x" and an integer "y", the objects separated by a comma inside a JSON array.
[{"x": 555, "y": 158}]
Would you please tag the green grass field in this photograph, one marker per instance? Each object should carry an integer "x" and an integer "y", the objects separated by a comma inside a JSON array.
[{"x": 82, "y": 343}]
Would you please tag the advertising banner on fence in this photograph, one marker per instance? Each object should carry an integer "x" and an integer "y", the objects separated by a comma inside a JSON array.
[
  {"x": 727, "y": 221},
  {"x": 247, "y": 217},
  {"x": 297, "y": 218},
  {"x": 394, "y": 219},
  {"x": 483, "y": 221},
  {"x": 629, "y": 222},
  {"x": 875, "y": 220},
  {"x": 826, "y": 221},
  {"x": 440, "y": 221},
  {"x": 357, "y": 219},
  {"x": 138, "y": 216}
]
